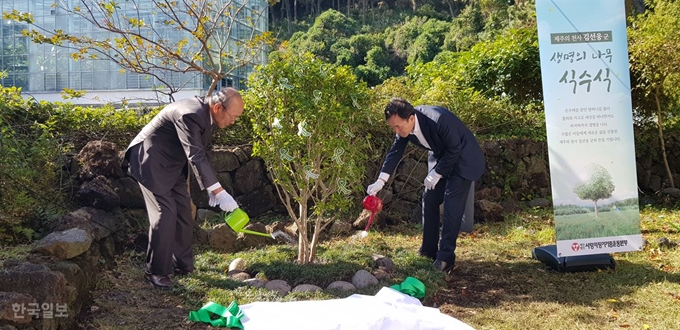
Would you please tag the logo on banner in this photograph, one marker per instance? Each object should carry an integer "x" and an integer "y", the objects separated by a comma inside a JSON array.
[{"x": 575, "y": 247}]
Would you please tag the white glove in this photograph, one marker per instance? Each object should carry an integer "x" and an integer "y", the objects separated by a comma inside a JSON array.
[
  {"x": 212, "y": 200},
  {"x": 226, "y": 202},
  {"x": 431, "y": 179},
  {"x": 375, "y": 187}
]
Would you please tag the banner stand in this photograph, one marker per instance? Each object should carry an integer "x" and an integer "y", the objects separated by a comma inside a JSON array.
[
  {"x": 585, "y": 74},
  {"x": 548, "y": 255}
]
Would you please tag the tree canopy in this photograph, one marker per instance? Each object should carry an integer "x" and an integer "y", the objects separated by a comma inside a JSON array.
[
  {"x": 599, "y": 185},
  {"x": 309, "y": 121}
]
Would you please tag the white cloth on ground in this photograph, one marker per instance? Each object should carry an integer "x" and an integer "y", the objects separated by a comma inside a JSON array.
[{"x": 389, "y": 309}]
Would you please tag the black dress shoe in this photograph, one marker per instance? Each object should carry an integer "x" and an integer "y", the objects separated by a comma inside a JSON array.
[
  {"x": 182, "y": 271},
  {"x": 442, "y": 266},
  {"x": 159, "y": 281}
]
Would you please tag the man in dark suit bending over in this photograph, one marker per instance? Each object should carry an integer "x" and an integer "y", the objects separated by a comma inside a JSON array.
[
  {"x": 455, "y": 160},
  {"x": 159, "y": 158}
]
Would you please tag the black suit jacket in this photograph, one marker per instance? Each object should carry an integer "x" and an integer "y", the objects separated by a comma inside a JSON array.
[
  {"x": 178, "y": 134},
  {"x": 452, "y": 144}
]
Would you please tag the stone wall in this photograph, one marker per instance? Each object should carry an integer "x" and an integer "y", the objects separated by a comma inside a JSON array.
[
  {"x": 517, "y": 173},
  {"x": 244, "y": 177},
  {"x": 651, "y": 173}
]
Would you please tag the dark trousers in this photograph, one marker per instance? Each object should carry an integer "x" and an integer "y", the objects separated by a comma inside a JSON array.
[
  {"x": 170, "y": 229},
  {"x": 453, "y": 192}
]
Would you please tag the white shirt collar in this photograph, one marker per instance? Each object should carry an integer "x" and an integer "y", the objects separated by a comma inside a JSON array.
[
  {"x": 419, "y": 134},
  {"x": 416, "y": 127}
]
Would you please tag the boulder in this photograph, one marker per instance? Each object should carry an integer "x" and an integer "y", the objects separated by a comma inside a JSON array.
[
  {"x": 250, "y": 176},
  {"x": 258, "y": 201},
  {"x": 128, "y": 192},
  {"x": 342, "y": 286},
  {"x": 224, "y": 160},
  {"x": 222, "y": 238},
  {"x": 13, "y": 308},
  {"x": 44, "y": 286},
  {"x": 384, "y": 263},
  {"x": 65, "y": 244},
  {"x": 363, "y": 279},
  {"x": 99, "y": 158},
  {"x": 255, "y": 282},
  {"x": 96, "y": 222},
  {"x": 237, "y": 264},
  {"x": 488, "y": 211},
  {"x": 98, "y": 193},
  {"x": 306, "y": 288},
  {"x": 280, "y": 286}
]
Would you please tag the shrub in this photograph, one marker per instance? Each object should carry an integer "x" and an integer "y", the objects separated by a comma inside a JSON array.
[
  {"x": 309, "y": 118},
  {"x": 29, "y": 168}
]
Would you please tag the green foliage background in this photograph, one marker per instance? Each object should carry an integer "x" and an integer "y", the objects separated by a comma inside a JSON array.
[
  {"x": 37, "y": 141},
  {"x": 29, "y": 167}
]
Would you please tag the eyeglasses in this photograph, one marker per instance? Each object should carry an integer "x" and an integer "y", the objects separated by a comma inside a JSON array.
[{"x": 227, "y": 112}]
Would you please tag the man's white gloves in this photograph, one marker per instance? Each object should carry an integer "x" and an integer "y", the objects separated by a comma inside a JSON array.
[
  {"x": 431, "y": 179},
  {"x": 224, "y": 200},
  {"x": 375, "y": 187},
  {"x": 378, "y": 184}
]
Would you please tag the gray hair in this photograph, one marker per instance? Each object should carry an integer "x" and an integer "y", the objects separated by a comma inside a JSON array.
[{"x": 223, "y": 96}]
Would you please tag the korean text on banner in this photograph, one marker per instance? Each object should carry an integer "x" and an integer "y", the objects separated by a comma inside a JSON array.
[{"x": 588, "y": 110}]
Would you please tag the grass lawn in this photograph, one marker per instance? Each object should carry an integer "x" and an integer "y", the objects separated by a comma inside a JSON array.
[{"x": 496, "y": 284}]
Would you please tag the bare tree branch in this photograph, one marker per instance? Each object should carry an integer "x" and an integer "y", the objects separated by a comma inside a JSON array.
[{"x": 208, "y": 31}]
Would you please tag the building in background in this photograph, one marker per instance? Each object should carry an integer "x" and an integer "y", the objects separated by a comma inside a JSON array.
[{"x": 43, "y": 71}]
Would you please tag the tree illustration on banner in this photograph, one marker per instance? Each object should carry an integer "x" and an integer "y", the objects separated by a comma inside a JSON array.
[
  {"x": 598, "y": 186},
  {"x": 309, "y": 119}
]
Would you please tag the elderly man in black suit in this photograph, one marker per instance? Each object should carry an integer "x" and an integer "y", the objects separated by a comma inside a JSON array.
[
  {"x": 455, "y": 160},
  {"x": 159, "y": 158}
]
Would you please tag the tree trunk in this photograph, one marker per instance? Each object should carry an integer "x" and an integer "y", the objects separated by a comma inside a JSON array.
[
  {"x": 315, "y": 239},
  {"x": 213, "y": 85},
  {"x": 303, "y": 238},
  {"x": 413, "y": 4},
  {"x": 281, "y": 12},
  {"x": 295, "y": 10},
  {"x": 448, "y": 2},
  {"x": 657, "y": 91},
  {"x": 372, "y": 11},
  {"x": 595, "y": 202},
  {"x": 288, "y": 22}
]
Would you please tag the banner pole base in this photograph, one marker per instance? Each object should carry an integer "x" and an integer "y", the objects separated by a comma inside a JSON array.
[{"x": 548, "y": 255}]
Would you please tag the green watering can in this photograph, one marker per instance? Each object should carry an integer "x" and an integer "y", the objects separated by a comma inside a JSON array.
[{"x": 238, "y": 219}]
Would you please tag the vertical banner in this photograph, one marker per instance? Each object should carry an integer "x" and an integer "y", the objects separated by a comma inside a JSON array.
[{"x": 588, "y": 111}]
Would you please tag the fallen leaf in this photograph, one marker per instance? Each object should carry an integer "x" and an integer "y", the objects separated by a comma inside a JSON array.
[{"x": 625, "y": 325}]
